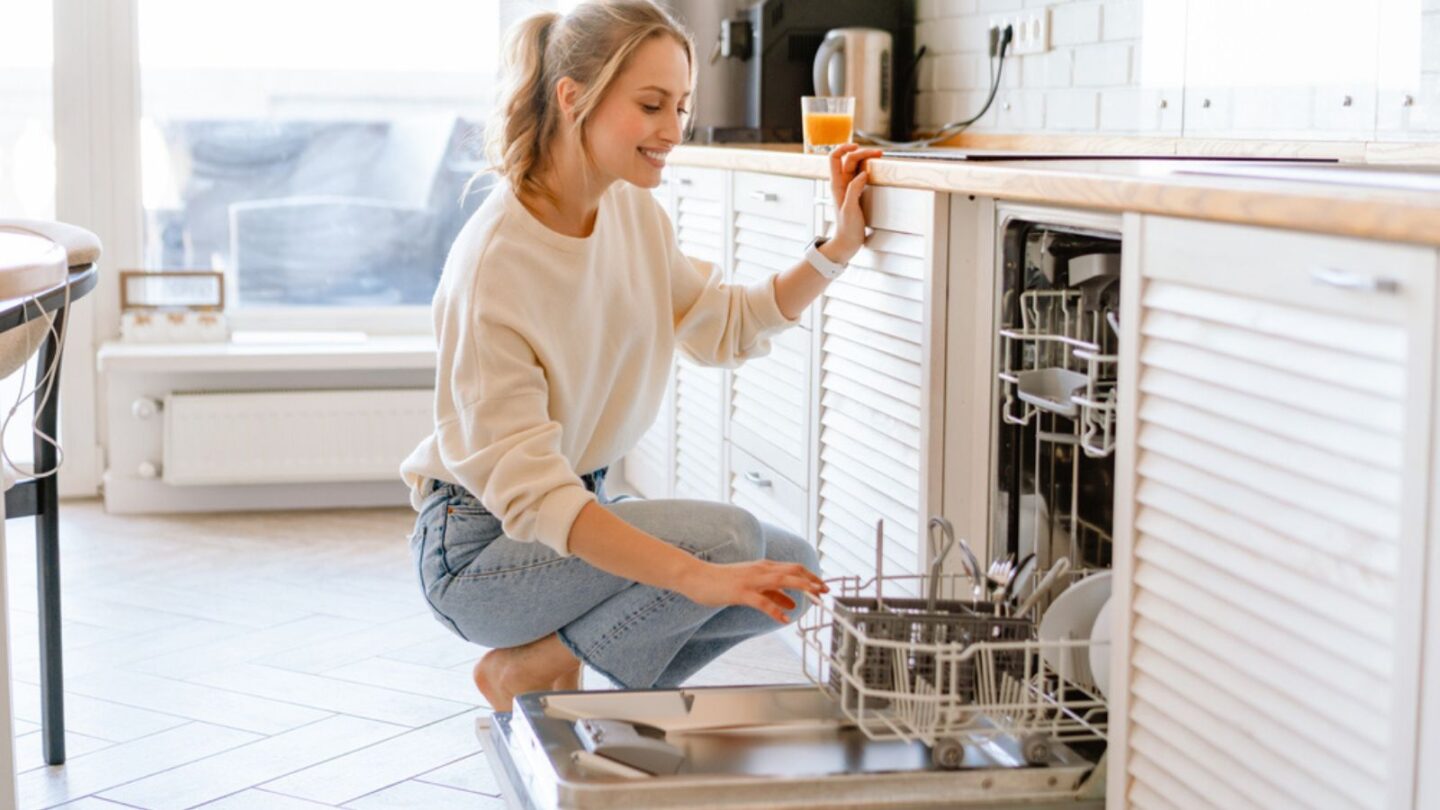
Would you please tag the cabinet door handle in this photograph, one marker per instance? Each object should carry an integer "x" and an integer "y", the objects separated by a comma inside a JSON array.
[
  {"x": 757, "y": 479},
  {"x": 685, "y": 181},
  {"x": 764, "y": 196},
  {"x": 1347, "y": 280}
]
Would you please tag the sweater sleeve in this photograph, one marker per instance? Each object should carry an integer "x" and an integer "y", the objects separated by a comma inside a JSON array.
[
  {"x": 503, "y": 446},
  {"x": 716, "y": 323}
]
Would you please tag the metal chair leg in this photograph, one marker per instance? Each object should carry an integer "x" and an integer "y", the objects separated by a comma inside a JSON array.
[{"x": 47, "y": 556}]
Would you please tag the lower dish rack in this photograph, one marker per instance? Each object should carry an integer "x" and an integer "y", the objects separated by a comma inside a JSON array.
[{"x": 947, "y": 673}]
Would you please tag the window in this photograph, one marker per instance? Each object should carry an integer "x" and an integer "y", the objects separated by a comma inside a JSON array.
[
  {"x": 316, "y": 151},
  {"x": 27, "y": 144},
  {"x": 27, "y": 161}
]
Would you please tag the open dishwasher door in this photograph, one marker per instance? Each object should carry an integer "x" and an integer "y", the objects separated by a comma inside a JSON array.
[{"x": 786, "y": 746}]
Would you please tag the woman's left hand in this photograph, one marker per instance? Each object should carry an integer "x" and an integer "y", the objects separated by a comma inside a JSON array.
[{"x": 847, "y": 181}]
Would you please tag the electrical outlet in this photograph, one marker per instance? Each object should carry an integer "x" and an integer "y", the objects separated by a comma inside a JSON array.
[{"x": 1032, "y": 30}]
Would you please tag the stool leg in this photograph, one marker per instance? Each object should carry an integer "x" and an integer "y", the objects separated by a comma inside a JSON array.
[
  {"x": 47, "y": 556},
  {"x": 52, "y": 678}
]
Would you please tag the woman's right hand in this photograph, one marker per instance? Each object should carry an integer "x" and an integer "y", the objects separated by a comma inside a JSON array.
[{"x": 759, "y": 585}]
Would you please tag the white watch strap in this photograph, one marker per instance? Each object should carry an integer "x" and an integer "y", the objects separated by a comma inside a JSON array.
[{"x": 817, "y": 260}]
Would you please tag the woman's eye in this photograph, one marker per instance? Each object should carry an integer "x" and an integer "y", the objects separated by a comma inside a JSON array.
[
  {"x": 650, "y": 108},
  {"x": 683, "y": 111}
]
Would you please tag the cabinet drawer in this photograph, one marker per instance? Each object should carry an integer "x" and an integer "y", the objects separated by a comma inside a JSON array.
[
  {"x": 789, "y": 198},
  {"x": 1351, "y": 277},
  {"x": 760, "y": 490},
  {"x": 908, "y": 210},
  {"x": 690, "y": 181}
]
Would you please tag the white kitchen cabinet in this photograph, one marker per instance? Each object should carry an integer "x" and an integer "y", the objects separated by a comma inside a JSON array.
[
  {"x": 769, "y": 403},
  {"x": 699, "y": 432},
  {"x": 1324, "y": 88},
  {"x": 682, "y": 454},
  {"x": 1273, "y": 476},
  {"x": 699, "y": 213},
  {"x": 773, "y": 226},
  {"x": 880, "y": 380},
  {"x": 1408, "y": 107},
  {"x": 649, "y": 467},
  {"x": 760, "y": 490}
]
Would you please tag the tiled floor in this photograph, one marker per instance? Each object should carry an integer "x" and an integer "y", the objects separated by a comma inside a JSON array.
[{"x": 276, "y": 661}]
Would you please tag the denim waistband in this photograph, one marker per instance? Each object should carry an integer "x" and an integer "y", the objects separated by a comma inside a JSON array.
[{"x": 591, "y": 480}]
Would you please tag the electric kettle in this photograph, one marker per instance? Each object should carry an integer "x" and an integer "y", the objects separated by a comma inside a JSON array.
[{"x": 857, "y": 62}]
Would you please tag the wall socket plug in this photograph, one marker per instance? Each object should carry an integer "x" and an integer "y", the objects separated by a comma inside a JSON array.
[{"x": 1032, "y": 30}]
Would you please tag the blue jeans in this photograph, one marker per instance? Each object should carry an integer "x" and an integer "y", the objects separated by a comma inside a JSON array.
[{"x": 497, "y": 592}]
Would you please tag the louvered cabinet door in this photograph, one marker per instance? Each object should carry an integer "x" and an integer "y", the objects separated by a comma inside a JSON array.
[
  {"x": 879, "y": 388},
  {"x": 699, "y": 432},
  {"x": 700, "y": 213},
  {"x": 650, "y": 465},
  {"x": 769, "y": 404},
  {"x": 1270, "y": 518}
]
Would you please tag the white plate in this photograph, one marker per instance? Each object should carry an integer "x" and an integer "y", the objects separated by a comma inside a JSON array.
[
  {"x": 1100, "y": 650},
  {"x": 1071, "y": 616}
]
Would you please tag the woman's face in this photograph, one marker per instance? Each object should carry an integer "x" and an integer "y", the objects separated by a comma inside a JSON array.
[{"x": 642, "y": 116}]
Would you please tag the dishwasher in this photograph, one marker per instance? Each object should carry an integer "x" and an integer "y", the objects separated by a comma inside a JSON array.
[{"x": 954, "y": 698}]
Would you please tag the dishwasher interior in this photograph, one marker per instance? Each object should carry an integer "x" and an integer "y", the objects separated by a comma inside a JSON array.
[{"x": 965, "y": 696}]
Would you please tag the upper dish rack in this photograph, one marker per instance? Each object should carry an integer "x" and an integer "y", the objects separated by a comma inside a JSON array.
[{"x": 1062, "y": 368}]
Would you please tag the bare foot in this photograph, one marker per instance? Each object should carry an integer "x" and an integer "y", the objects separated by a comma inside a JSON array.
[
  {"x": 570, "y": 681},
  {"x": 487, "y": 674},
  {"x": 540, "y": 666}
]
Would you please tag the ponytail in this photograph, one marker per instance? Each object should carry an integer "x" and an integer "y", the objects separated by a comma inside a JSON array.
[{"x": 590, "y": 45}]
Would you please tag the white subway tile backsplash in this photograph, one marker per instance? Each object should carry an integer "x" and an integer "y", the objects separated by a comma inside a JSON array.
[
  {"x": 1430, "y": 34},
  {"x": 1120, "y": 19},
  {"x": 959, "y": 72},
  {"x": 930, "y": 9},
  {"x": 1102, "y": 65},
  {"x": 969, "y": 34},
  {"x": 1020, "y": 110},
  {"x": 1055, "y": 69},
  {"x": 1120, "y": 110},
  {"x": 1091, "y": 79},
  {"x": 1072, "y": 110},
  {"x": 1075, "y": 23}
]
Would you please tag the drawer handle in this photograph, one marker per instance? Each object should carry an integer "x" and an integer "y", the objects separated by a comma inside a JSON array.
[
  {"x": 764, "y": 196},
  {"x": 1346, "y": 280},
  {"x": 757, "y": 479},
  {"x": 685, "y": 181}
]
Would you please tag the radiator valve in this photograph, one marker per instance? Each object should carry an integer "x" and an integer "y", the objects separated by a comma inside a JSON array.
[{"x": 144, "y": 408}]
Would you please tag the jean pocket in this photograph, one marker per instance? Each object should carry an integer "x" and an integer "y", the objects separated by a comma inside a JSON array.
[{"x": 465, "y": 532}]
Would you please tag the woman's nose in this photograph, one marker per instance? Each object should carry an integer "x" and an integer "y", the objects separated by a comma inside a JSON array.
[{"x": 674, "y": 127}]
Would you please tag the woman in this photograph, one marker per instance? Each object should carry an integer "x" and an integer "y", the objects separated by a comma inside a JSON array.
[{"x": 557, "y": 316}]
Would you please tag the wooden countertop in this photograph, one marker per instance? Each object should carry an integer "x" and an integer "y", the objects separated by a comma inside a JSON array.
[{"x": 1148, "y": 186}]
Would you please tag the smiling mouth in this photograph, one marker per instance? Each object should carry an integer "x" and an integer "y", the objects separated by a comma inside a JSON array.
[{"x": 654, "y": 156}]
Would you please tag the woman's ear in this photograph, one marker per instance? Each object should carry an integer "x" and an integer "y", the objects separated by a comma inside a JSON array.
[{"x": 567, "y": 95}]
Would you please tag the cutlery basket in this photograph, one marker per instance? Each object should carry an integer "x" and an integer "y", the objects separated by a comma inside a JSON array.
[{"x": 905, "y": 629}]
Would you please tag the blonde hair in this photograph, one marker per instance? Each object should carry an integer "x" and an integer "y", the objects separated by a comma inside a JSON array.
[{"x": 591, "y": 45}]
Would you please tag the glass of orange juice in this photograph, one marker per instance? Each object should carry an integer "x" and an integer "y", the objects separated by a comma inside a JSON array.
[{"x": 828, "y": 122}]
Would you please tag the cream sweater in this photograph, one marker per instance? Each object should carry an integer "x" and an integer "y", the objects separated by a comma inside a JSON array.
[{"x": 554, "y": 352}]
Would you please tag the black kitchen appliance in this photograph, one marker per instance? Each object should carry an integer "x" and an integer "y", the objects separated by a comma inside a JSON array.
[{"x": 777, "y": 41}]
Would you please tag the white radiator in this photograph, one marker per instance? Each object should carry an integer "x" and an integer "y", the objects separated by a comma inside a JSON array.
[{"x": 277, "y": 437}]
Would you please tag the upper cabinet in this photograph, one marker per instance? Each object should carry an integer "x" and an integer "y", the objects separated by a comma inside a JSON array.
[
  {"x": 1332, "y": 70},
  {"x": 1408, "y": 102},
  {"x": 1273, "y": 69}
]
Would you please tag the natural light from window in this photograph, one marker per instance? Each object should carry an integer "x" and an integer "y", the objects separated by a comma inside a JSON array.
[{"x": 313, "y": 150}]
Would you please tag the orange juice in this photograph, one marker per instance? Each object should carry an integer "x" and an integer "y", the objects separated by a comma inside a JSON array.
[{"x": 828, "y": 129}]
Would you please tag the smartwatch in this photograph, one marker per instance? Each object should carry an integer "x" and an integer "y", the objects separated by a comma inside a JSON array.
[{"x": 828, "y": 269}]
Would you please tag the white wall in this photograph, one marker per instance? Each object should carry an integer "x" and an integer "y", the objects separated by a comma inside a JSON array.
[{"x": 1293, "y": 69}]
